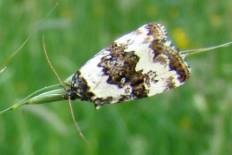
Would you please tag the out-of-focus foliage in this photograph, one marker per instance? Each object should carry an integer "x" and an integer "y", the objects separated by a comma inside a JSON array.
[{"x": 194, "y": 119}]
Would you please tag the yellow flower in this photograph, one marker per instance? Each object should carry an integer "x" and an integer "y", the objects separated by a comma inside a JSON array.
[
  {"x": 180, "y": 38},
  {"x": 216, "y": 20}
]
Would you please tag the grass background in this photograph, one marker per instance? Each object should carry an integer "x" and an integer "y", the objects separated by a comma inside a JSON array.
[{"x": 195, "y": 119}]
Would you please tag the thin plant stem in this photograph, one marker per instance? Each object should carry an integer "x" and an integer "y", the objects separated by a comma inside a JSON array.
[{"x": 201, "y": 50}]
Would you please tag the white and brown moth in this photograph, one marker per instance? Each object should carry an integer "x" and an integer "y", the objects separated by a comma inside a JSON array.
[{"x": 139, "y": 64}]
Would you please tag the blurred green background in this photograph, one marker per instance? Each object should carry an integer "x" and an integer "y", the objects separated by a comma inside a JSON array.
[{"x": 195, "y": 119}]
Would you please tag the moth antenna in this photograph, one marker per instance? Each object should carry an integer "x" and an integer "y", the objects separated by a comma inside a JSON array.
[
  {"x": 78, "y": 129},
  {"x": 3, "y": 66},
  {"x": 50, "y": 63},
  {"x": 206, "y": 49}
]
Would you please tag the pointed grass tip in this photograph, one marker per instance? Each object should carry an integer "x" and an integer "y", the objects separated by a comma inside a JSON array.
[{"x": 39, "y": 97}]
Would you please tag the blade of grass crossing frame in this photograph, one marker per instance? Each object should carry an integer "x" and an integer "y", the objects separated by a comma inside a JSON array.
[{"x": 3, "y": 66}]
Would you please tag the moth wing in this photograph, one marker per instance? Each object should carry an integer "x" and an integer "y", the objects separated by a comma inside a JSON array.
[{"x": 139, "y": 64}]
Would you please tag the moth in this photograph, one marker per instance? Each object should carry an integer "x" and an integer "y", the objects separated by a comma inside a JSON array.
[{"x": 139, "y": 64}]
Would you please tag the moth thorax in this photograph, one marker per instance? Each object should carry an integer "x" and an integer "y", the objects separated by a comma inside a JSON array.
[{"x": 71, "y": 94}]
